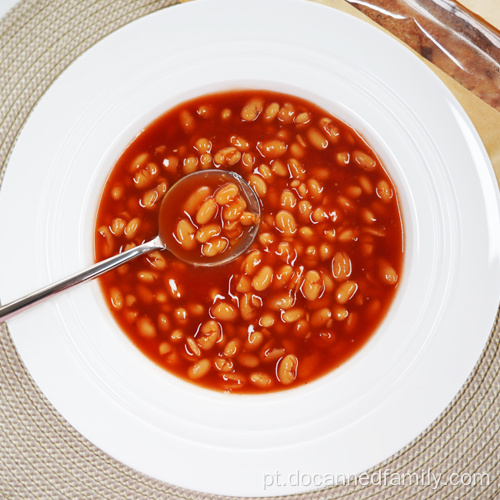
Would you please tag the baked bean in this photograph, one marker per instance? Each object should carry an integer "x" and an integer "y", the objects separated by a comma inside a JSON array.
[
  {"x": 227, "y": 156},
  {"x": 244, "y": 284},
  {"x": 347, "y": 235},
  {"x": 232, "y": 212},
  {"x": 239, "y": 142},
  {"x": 248, "y": 161},
  {"x": 346, "y": 291},
  {"x": 248, "y": 219},
  {"x": 297, "y": 150},
  {"x": 265, "y": 172},
  {"x": 285, "y": 223},
  {"x": 193, "y": 203},
  {"x": 267, "y": 320},
  {"x": 207, "y": 211},
  {"x": 193, "y": 346},
  {"x": 146, "y": 327},
  {"x": 156, "y": 260},
  {"x": 223, "y": 365},
  {"x": 281, "y": 301},
  {"x": 312, "y": 286},
  {"x": 293, "y": 315},
  {"x": 341, "y": 266},
  {"x": 199, "y": 369},
  {"x": 226, "y": 193},
  {"x": 252, "y": 110},
  {"x": 187, "y": 121},
  {"x": 363, "y": 160},
  {"x": 325, "y": 251},
  {"x": 365, "y": 184},
  {"x": 147, "y": 276},
  {"x": 319, "y": 215},
  {"x": 384, "y": 191},
  {"x": 254, "y": 340},
  {"x": 206, "y": 111},
  {"x": 331, "y": 130},
  {"x": 248, "y": 360},
  {"x": 305, "y": 210},
  {"x": 181, "y": 315},
  {"x": 321, "y": 317},
  {"x": 165, "y": 348},
  {"x": 279, "y": 168},
  {"x": 248, "y": 307},
  {"x": 163, "y": 322},
  {"x": 174, "y": 288},
  {"x": 224, "y": 311},
  {"x": 232, "y": 348},
  {"x": 283, "y": 276},
  {"x": 288, "y": 200},
  {"x": 306, "y": 233},
  {"x": 139, "y": 161},
  {"x": 252, "y": 261},
  {"x": 340, "y": 313},
  {"x": 315, "y": 189},
  {"x": 296, "y": 169},
  {"x": 287, "y": 369},
  {"x": 272, "y": 149},
  {"x": 380, "y": 233},
  {"x": 343, "y": 159},
  {"x": 354, "y": 192},
  {"x": 131, "y": 228},
  {"x": 266, "y": 239},
  {"x": 270, "y": 354},
  {"x": 117, "y": 192},
  {"x": 368, "y": 216},
  {"x": 233, "y": 380},
  {"x": 261, "y": 380},
  {"x": 258, "y": 184},
  {"x": 286, "y": 252},
  {"x": 262, "y": 278},
  {"x": 146, "y": 176},
  {"x": 130, "y": 300},
  {"x": 214, "y": 246},
  {"x": 206, "y": 161},
  {"x": 302, "y": 118},
  {"x": 150, "y": 198},
  {"x": 207, "y": 232},
  {"x": 203, "y": 145},
  {"x": 176, "y": 335},
  {"x": 116, "y": 297},
  {"x": 209, "y": 334},
  {"x": 387, "y": 273},
  {"x": 118, "y": 226},
  {"x": 185, "y": 234},
  {"x": 316, "y": 138},
  {"x": 170, "y": 164},
  {"x": 345, "y": 203},
  {"x": 190, "y": 165},
  {"x": 271, "y": 111}
]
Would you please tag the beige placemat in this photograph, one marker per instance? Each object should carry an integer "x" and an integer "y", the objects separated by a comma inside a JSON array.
[{"x": 42, "y": 456}]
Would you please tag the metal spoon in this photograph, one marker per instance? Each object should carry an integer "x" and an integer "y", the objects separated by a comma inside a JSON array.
[{"x": 158, "y": 243}]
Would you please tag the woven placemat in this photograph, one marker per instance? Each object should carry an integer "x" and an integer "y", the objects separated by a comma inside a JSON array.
[{"x": 42, "y": 456}]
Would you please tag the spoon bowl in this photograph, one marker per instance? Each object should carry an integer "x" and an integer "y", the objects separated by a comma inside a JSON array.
[{"x": 174, "y": 200}]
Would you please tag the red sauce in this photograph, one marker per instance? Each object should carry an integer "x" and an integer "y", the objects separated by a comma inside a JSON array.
[{"x": 319, "y": 277}]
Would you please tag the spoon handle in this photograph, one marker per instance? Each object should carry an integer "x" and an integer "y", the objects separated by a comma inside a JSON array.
[{"x": 19, "y": 305}]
